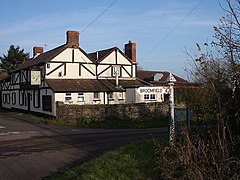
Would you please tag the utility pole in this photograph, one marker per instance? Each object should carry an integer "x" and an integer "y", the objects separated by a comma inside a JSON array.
[{"x": 171, "y": 81}]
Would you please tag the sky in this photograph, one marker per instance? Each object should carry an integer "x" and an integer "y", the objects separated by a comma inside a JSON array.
[{"x": 162, "y": 29}]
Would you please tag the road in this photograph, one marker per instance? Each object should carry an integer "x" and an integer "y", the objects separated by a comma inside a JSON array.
[{"x": 31, "y": 150}]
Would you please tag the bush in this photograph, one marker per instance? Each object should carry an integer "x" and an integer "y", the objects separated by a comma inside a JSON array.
[{"x": 212, "y": 155}]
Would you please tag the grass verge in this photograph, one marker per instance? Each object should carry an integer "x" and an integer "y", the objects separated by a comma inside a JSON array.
[{"x": 132, "y": 161}]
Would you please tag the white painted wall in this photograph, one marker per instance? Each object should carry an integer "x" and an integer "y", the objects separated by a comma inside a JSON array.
[
  {"x": 25, "y": 105},
  {"x": 121, "y": 59},
  {"x": 65, "y": 56},
  {"x": 134, "y": 96},
  {"x": 72, "y": 70},
  {"x": 126, "y": 71},
  {"x": 89, "y": 98},
  {"x": 110, "y": 59}
]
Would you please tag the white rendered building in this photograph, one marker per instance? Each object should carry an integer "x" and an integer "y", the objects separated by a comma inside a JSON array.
[{"x": 68, "y": 74}]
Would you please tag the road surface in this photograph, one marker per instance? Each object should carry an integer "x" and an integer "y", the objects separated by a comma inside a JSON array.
[{"x": 30, "y": 150}]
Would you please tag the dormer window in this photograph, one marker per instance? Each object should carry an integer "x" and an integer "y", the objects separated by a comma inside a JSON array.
[{"x": 158, "y": 77}]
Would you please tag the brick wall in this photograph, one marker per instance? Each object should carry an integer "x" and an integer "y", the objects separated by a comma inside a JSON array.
[{"x": 133, "y": 112}]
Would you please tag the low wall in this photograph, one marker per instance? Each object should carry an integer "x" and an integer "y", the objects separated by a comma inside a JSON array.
[{"x": 133, "y": 112}]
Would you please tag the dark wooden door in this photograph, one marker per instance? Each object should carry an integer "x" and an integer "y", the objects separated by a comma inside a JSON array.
[{"x": 28, "y": 102}]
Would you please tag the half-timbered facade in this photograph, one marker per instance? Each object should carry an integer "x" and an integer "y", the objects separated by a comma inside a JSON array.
[{"x": 69, "y": 74}]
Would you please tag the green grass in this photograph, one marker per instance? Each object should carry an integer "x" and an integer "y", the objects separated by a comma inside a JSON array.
[{"x": 132, "y": 161}]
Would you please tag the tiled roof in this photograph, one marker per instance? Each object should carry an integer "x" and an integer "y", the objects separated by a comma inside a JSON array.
[
  {"x": 45, "y": 57},
  {"x": 149, "y": 77},
  {"x": 42, "y": 58},
  {"x": 102, "y": 54},
  {"x": 126, "y": 83},
  {"x": 91, "y": 85}
]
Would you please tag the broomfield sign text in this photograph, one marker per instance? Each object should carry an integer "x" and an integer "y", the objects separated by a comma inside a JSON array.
[{"x": 150, "y": 90}]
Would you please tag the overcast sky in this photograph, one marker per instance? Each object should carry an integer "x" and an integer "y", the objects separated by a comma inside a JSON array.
[{"x": 162, "y": 29}]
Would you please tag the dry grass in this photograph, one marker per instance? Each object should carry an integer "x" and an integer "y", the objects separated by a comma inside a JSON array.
[{"x": 211, "y": 155}]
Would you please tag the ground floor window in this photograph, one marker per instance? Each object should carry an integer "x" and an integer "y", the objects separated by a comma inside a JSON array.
[
  {"x": 120, "y": 95},
  {"x": 6, "y": 98},
  {"x": 110, "y": 95},
  {"x": 96, "y": 96},
  {"x": 149, "y": 96},
  {"x": 36, "y": 98},
  {"x": 13, "y": 98},
  {"x": 81, "y": 96},
  {"x": 68, "y": 97},
  {"x": 21, "y": 98}
]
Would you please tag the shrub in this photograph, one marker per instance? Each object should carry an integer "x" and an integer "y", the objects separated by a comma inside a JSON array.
[{"x": 212, "y": 155}]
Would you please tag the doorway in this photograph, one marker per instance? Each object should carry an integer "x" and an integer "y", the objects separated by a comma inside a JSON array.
[{"x": 28, "y": 102}]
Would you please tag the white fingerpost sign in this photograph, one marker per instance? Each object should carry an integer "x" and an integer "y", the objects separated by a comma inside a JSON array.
[{"x": 116, "y": 73}]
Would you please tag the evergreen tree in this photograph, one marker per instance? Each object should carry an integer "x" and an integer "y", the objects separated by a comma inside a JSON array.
[{"x": 13, "y": 59}]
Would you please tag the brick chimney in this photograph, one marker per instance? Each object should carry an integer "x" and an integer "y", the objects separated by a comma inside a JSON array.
[
  {"x": 37, "y": 51},
  {"x": 130, "y": 51},
  {"x": 73, "y": 39}
]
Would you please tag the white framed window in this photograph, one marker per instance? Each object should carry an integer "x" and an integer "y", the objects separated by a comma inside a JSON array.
[
  {"x": 146, "y": 96},
  {"x": 68, "y": 97},
  {"x": 36, "y": 98},
  {"x": 13, "y": 98},
  {"x": 96, "y": 96},
  {"x": 4, "y": 99},
  {"x": 149, "y": 96},
  {"x": 21, "y": 97},
  {"x": 48, "y": 65},
  {"x": 81, "y": 96},
  {"x": 110, "y": 96},
  {"x": 120, "y": 95},
  {"x": 152, "y": 96}
]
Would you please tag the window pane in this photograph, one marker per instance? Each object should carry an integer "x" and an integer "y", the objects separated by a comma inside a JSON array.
[
  {"x": 110, "y": 95},
  {"x": 152, "y": 96},
  {"x": 80, "y": 96},
  {"x": 36, "y": 98},
  {"x": 146, "y": 96},
  {"x": 96, "y": 95},
  {"x": 13, "y": 98},
  {"x": 68, "y": 97},
  {"x": 120, "y": 95}
]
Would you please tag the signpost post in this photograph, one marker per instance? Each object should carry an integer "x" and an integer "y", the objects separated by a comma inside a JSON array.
[{"x": 171, "y": 81}]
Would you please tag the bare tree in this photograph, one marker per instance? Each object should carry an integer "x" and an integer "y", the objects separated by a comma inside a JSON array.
[{"x": 227, "y": 35}]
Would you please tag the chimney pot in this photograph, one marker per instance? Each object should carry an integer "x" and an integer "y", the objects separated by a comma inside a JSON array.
[
  {"x": 72, "y": 39},
  {"x": 130, "y": 51},
  {"x": 37, "y": 51}
]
